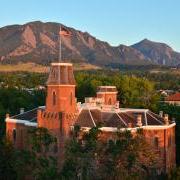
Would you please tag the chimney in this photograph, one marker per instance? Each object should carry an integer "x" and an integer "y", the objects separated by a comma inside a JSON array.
[
  {"x": 139, "y": 120},
  {"x": 161, "y": 114},
  {"x": 21, "y": 110},
  {"x": 166, "y": 119},
  {"x": 7, "y": 115}
]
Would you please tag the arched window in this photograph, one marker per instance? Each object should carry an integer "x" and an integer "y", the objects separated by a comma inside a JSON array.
[
  {"x": 54, "y": 73},
  {"x": 169, "y": 141},
  {"x": 156, "y": 142},
  {"x": 55, "y": 147},
  {"x": 14, "y": 135},
  {"x": 109, "y": 101},
  {"x": 71, "y": 99},
  {"x": 54, "y": 98}
]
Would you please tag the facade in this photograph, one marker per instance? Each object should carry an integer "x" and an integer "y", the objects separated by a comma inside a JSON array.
[{"x": 62, "y": 112}]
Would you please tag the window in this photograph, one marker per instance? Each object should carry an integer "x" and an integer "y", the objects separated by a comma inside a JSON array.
[
  {"x": 156, "y": 142},
  {"x": 14, "y": 135},
  {"x": 54, "y": 98},
  {"x": 55, "y": 146},
  {"x": 109, "y": 101},
  {"x": 71, "y": 99},
  {"x": 54, "y": 74},
  {"x": 169, "y": 141}
]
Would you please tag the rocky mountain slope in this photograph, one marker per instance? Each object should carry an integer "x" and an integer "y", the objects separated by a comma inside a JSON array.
[
  {"x": 38, "y": 42},
  {"x": 158, "y": 53}
]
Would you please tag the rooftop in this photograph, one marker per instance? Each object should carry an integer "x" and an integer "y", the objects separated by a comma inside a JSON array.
[
  {"x": 174, "y": 97},
  {"x": 61, "y": 74},
  {"x": 123, "y": 118}
]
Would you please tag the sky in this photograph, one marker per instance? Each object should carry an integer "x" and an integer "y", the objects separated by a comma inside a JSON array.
[{"x": 115, "y": 21}]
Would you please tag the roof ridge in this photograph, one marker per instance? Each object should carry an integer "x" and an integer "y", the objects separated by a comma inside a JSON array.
[{"x": 92, "y": 117}]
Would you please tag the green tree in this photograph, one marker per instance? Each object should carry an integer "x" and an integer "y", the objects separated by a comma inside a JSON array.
[{"x": 128, "y": 157}]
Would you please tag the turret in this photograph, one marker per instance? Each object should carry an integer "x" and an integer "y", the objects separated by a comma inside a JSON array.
[
  {"x": 108, "y": 94},
  {"x": 60, "y": 111},
  {"x": 61, "y": 88}
]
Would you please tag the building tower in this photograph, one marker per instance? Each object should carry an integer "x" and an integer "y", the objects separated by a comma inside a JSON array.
[
  {"x": 61, "y": 89},
  {"x": 59, "y": 114},
  {"x": 108, "y": 94}
]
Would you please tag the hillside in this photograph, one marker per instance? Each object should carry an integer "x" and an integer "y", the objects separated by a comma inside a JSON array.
[
  {"x": 37, "y": 42},
  {"x": 159, "y": 53}
]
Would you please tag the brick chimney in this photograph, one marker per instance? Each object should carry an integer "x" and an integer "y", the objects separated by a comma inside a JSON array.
[
  {"x": 166, "y": 119},
  {"x": 161, "y": 114}
]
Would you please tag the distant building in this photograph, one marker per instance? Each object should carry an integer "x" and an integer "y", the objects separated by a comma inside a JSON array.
[
  {"x": 173, "y": 99},
  {"x": 62, "y": 112},
  {"x": 166, "y": 92}
]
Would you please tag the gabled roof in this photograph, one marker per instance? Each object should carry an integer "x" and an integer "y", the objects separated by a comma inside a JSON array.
[{"x": 174, "y": 97}]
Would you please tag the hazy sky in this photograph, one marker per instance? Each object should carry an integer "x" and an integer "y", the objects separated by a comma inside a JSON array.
[{"x": 114, "y": 21}]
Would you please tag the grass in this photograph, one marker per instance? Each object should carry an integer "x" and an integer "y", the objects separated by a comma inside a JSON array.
[{"x": 169, "y": 70}]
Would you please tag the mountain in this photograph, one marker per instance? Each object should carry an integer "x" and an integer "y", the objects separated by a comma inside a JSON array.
[
  {"x": 38, "y": 42},
  {"x": 159, "y": 53}
]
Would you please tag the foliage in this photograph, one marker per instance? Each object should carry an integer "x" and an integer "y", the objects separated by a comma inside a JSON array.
[
  {"x": 43, "y": 164},
  {"x": 135, "y": 89},
  {"x": 7, "y": 159},
  {"x": 132, "y": 91},
  {"x": 18, "y": 164},
  {"x": 12, "y": 99},
  {"x": 127, "y": 157}
]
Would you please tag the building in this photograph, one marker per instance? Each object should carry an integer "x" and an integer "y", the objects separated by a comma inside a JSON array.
[
  {"x": 173, "y": 99},
  {"x": 62, "y": 112}
]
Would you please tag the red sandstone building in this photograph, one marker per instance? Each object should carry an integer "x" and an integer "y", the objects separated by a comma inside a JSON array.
[
  {"x": 173, "y": 99},
  {"x": 62, "y": 111}
]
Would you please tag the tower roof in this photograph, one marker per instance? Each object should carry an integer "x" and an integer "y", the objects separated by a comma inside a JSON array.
[
  {"x": 103, "y": 89},
  {"x": 61, "y": 74}
]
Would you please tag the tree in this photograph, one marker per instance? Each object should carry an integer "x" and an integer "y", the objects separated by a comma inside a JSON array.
[
  {"x": 7, "y": 159},
  {"x": 35, "y": 161},
  {"x": 128, "y": 157},
  {"x": 43, "y": 164}
]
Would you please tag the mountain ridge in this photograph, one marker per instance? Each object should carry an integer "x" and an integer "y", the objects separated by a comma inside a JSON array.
[{"x": 38, "y": 42}]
